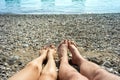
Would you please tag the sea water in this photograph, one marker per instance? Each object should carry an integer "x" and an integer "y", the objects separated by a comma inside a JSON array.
[{"x": 59, "y": 6}]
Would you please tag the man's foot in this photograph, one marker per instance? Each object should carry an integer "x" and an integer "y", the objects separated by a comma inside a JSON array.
[
  {"x": 76, "y": 57},
  {"x": 62, "y": 50}
]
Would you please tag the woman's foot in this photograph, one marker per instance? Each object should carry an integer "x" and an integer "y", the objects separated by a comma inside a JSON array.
[
  {"x": 76, "y": 57},
  {"x": 51, "y": 51},
  {"x": 43, "y": 52},
  {"x": 62, "y": 50}
]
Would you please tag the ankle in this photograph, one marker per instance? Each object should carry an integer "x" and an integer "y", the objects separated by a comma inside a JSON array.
[{"x": 64, "y": 59}]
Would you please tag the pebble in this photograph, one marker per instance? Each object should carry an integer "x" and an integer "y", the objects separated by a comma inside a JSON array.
[
  {"x": 12, "y": 59},
  {"x": 92, "y": 32},
  {"x": 107, "y": 64},
  {"x": 19, "y": 63},
  {"x": 25, "y": 45},
  {"x": 117, "y": 52},
  {"x": 119, "y": 70},
  {"x": 5, "y": 64},
  {"x": 96, "y": 60}
]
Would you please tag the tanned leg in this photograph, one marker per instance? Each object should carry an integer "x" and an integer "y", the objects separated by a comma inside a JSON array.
[
  {"x": 67, "y": 72},
  {"x": 90, "y": 70},
  {"x": 33, "y": 69},
  {"x": 49, "y": 71}
]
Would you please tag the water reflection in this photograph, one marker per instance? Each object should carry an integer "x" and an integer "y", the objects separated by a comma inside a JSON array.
[
  {"x": 12, "y": 5},
  {"x": 13, "y": 1},
  {"x": 27, "y": 5},
  {"x": 63, "y": 2},
  {"x": 47, "y": 0},
  {"x": 42, "y": 5}
]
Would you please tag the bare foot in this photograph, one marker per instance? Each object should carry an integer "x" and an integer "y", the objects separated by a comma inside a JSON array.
[
  {"x": 62, "y": 49},
  {"x": 76, "y": 57},
  {"x": 51, "y": 50},
  {"x": 43, "y": 52}
]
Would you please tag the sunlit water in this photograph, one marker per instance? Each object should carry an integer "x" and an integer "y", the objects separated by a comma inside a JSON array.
[{"x": 59, "y": 6}]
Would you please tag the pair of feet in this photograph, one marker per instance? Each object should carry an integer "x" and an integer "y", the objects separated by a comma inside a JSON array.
[
  {"x": 62, "y": 51},
  {"x": 47, "y": 51}
]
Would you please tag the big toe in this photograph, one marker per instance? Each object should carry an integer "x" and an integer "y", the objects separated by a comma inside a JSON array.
[
  {"x": 62, "y": 48},
  {"x": 63, "y": 43},
  {"x": 43, "y": 50},
  {"x": 52, "y": 48},
  {"x": 71, "y": 44}
]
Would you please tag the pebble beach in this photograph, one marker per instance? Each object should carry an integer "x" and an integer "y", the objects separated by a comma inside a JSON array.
[{"x": 96, "y": 35}]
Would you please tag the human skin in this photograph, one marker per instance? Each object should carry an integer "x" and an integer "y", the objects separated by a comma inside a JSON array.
[
  {"x": 88, "y": 70},
  {"x": 66, "y": 71},
  {"x": 34, "y": 71}
]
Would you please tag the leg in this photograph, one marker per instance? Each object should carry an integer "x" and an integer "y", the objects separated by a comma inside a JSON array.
[
  {"x": 33, "y": 69},
  {"x": 49, "y": 71},
  {"x": 90, "y": 70},
  {"x": 67, "y": 72}
]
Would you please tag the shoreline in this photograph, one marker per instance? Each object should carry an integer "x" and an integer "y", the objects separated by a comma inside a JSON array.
[
  {"x": 51, "y": 14},
  {"x": 58, "y": 13},
  {"x": 97, "y": 36}
]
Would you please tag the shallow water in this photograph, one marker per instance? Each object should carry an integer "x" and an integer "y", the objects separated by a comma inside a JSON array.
[{"x": 59, "y": 6}]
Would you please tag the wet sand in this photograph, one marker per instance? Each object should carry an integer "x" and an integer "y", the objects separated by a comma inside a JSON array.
[{"x": 21, "y": 37}]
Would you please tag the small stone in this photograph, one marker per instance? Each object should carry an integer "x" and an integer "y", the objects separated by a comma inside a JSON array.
[
  {"x": 119, "y": 70},
  {"x": 15, "y": 57},
  {"x": 96, "y": 60},
  {"x": 12, "y": 60},
  {"x": 3, "y": 72},
  {"x": 3, "y": 59},
  {"x": 19, "y": 63},
  {"x": 107, "y": 64},
  {"x": 117, "y": 52},
  {"x": 3, "y": 68},
  {"x": 15, "y": 65},
  {"x": 70, "y": 55},
  {"x": 5, "y": 64},
  {"x": 7, "y": 68},
  {"x": 25, "y": 45},
  {"x": 110, "y": 69},
  {"x": 19, "y": 25}
]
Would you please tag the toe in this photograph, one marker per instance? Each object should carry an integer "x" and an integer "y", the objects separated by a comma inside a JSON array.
[
  {"x": 64, "y": 44},
  {"x": 52, "y": 46},
  {"x": 44, "y": 47},
  {"x": 65, "y": 41},
  {"x": 71, "y": 43}
]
